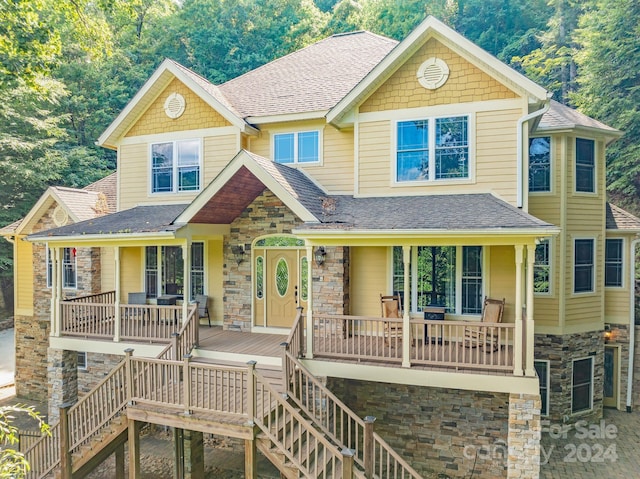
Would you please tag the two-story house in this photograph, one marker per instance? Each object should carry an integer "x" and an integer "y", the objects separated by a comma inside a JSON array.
[{"x": 355, "y": 168}]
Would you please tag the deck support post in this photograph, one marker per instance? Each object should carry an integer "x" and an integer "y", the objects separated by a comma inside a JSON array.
[
  {"x": 134, "y": 449},
  {"x": 250, "y": 459},
  {"x": 56, "y": 291},
  {"x": 309, "y": 328},
  {"x": 129, "y": 374},
  {"x": 251, "y": 391},
  {"x": 119, "y": 455},
  {"x": 529, "y": 369},
  {"x": 117, "y": 325},
  {"x": 186, "y": 380},
  {"x": 347, "y": 464},
  {"x": 284, "y": 347},
  {"x": 174, "y": 346},
  {"x": 186, "y": 291},
  {"x": 193, "y": 454},
  {"x": 517, "y": 353},
  {"x": 178, "y": 453},
  {"x": 66, "y": 466},
  {"x": 406, "y": 318},
  {"x": 368, "y": 446}
]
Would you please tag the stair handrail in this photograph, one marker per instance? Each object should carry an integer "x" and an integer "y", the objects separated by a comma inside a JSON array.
[
  {"x": 353, "y": 427},
  {"x": 265, "y": 397},
  {"x": 178, "y": 347}
]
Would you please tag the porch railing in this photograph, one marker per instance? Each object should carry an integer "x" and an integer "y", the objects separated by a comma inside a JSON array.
[
  {"x": 459, "y": 344},
  {"x": 104, "y": 297}
]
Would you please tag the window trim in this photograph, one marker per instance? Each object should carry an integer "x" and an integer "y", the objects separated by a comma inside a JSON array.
[
  {"x": 295, "y": 134},
  {"x": 622, "y": 264},
  {"x": 49, "y": 267},
  {"x": 175, "y": 190},
  {"x": 575, "y": 168},
  {"x": 550, "y": 265},
  {"x": 469, "y": 179},
  {"x": 593, "y": 266},
  {"x": 547, "y": 386},
  {"x": 159, "y": 271},
  {"x": 84, "y": 367},
  {"x": 550, "y": 191},
  {"x": 591, "y": 385}
]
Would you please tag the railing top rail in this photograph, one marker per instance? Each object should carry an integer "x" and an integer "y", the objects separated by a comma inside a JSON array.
[
  {"x": 87, "y": 296},
  {"x": 104, "y": 381},
  {"x": 448, "y": 322},
  {"x": 296, "y": 323}
]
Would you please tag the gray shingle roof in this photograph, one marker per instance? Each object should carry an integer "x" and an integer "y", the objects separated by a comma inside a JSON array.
[
  {"x": 619, "y": 219},
  {"x": 560, "y": 116},
  {"x": 430, "y": 213},
  {"x": 314, "y": 78},
  {"x": 141, "y": 219}
]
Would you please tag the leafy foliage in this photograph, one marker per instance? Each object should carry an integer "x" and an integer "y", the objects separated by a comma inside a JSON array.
[{"x": 12, "y": 462}]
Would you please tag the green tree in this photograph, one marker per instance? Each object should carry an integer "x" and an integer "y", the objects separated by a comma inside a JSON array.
[
  {"x": 609, "y": 87},
  {"x": 12, "y": 462}
]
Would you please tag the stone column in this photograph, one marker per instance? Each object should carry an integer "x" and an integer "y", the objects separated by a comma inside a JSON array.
[
  {"x": 524, "y": 436},
  {"x": 62, "y": 374}
]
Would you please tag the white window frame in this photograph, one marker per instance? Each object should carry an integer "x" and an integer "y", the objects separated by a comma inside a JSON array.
[
  {"x": 85, "y": 366},
  {"x": 159, "y": 270},
  {"x": 593, "y": 265},
  {"x": 432, "y": 150},
  {"x": 551, "y": 162},
  {"x": 175, "y": 167},
  {"x": 74, "y": 253},
  {"x": 458, "y": 283},
  {"x": 547, "y": 385},
  {"x": 622, "y": 264},
  {"x": 591, "y": 383},
  {"x": 549, "y": 242},
  {"x": 595, "y": 167},
  {"x": 49, "y": 264},
  {"x": 295, "y": 134}
]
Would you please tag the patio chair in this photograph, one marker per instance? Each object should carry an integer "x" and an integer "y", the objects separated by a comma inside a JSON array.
[
  {"x": 391, "y": 307},
  {"x": 203, "y": 307},
  {"x": 135, "y": 299},
  {"x": 492, "y": 310}
]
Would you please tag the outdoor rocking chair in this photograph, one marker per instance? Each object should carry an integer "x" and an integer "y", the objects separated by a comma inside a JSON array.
[
  {"x": 203, "y": 307},
  {"x": 475, "y": 336},
  {"x": 391, "y": 308}
]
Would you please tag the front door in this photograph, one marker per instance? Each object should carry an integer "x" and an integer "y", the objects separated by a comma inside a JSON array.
[
  {"x": 610, "y": 376},
  {"x": 283, "y": 282}
]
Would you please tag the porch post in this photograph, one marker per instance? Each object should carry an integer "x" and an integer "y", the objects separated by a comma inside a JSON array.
[
  {"x": 186, "y": 290},
  {"x": 55, "y": 287},
  {"x": 116, "y": 304},
  {"x": 518, "y": 343},
  {"x": 309, "y": 325},
  {"x": 406, "y": 325},
  {"x": 529, "y": 370}
]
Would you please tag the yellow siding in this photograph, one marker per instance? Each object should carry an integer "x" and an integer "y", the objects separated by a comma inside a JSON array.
[
  {"x": 494, "y": 165},
  {"x": 135, "y": 170},
  {"x": 214, "y": 277},
  {"x": 502, "y": 279},
  {"x": 197, "y": 114},
  {"x": 466, "y": 83},
  {"x": 23, "y": 276},
  {"x": 107, "y": 269},
  {"x": 336, "y": 171},
  {"x": 369, "y": 279},
  {"x": 130, "y": 271},
  {"x": 547, "y": 206},
  {"x": 616, "y": 309}
]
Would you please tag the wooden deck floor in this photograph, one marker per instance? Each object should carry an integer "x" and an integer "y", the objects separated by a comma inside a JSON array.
[{"x": 259, "y": 344}]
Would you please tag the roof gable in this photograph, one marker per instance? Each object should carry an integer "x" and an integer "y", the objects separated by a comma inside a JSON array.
[
  {"x": 428, "y": 29},
  {"x": 153, "y": 88}
]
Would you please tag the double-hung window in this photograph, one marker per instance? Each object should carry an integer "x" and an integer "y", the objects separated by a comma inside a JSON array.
[
  {"x": 542, "y": 368},
  {"x": 542, "y": 267},
  {"x": 613, "y": 263},
  {"x": 69, "y": 268},
  {"x": 175, "y": 166},
  {"x": 583, "y": 266},
  {"x": 585, "y": 166},
  {"x": 164, "y": 270},
  {"x": 449, "y": 276},
  {"x": 432, "y": 149},
  {"x": 540, "y": 164},
  {"x": 299, "y": 147},
  {"x": 582, "y": 385}
]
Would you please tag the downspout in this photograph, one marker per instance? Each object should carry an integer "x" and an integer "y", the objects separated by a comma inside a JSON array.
[
  {"x": 520, "y": 150},
  {"x": 632, "y": 321}
]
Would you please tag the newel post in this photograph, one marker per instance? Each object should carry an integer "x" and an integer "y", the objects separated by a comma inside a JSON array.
[
  {"x": 368, "y": 446},
  {"x": 285, "y": 365},
  {"x": 174, "y": 346},
  {"x": 347, "y": 463},
  {"x": 251, "y": 391},
  {"x": 128, "y": 369},
  {"x": 65, "y": 442},
  {"x": 186, "y": 381}
]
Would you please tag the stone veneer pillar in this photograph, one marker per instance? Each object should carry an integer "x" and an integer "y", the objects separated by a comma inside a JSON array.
[
  {"x": 524, "y": 435},
  {"x": 63, "y": 380}
]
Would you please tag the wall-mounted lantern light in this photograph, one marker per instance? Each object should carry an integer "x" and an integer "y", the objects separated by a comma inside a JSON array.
[
  {"x": 238, "y": 253},
  {"x": 319, "y": 255}
]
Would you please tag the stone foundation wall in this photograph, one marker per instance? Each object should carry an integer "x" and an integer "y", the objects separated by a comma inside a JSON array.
[
  {"x": 32, "y": 343},
  {"x": 561, "y": 350},
  {"x": 62, "y": 380},
  {"x": 525, "y": 432},
  {"x": 444, "y": 432},
  {"x": 98, "y": 366}
]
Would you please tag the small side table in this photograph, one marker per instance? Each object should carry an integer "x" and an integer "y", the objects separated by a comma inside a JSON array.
[{"x": 433, "y": 313}]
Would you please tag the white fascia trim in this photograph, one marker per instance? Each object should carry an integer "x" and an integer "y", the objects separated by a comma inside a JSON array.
[
  {"x": 46, "y": 200},
  {"x": 180, "y": 135},
  {"x": 104, "y": 238},
  {"x": 106, "y": 347},
  {"x": 287, "y": 117},
  {"x": 243, "y": 159},
  {"x": 591, "y": 131},
  {"x": 453, "y": 40}
]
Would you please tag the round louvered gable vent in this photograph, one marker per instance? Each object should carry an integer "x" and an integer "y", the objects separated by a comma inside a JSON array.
[
  {"x": 174, "y": 105},
  {"x": 60, "y": 216},
  {"x": 433, "y": 73}
]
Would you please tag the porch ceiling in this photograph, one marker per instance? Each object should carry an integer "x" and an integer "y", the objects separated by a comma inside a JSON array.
[{"x": 232, "y": 198}]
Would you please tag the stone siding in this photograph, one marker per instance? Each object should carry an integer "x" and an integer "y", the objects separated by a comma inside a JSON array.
[
  {"x": 98, "y": 366},
  {"x": 32, "y": 343},
  {"x": 561, "y": 350},
  {"x": 331, "y": 282},
  {"x": 449, "y": 432},
  {"x": 62, "y": 381},
  {"x": 525, "y": 432}
]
